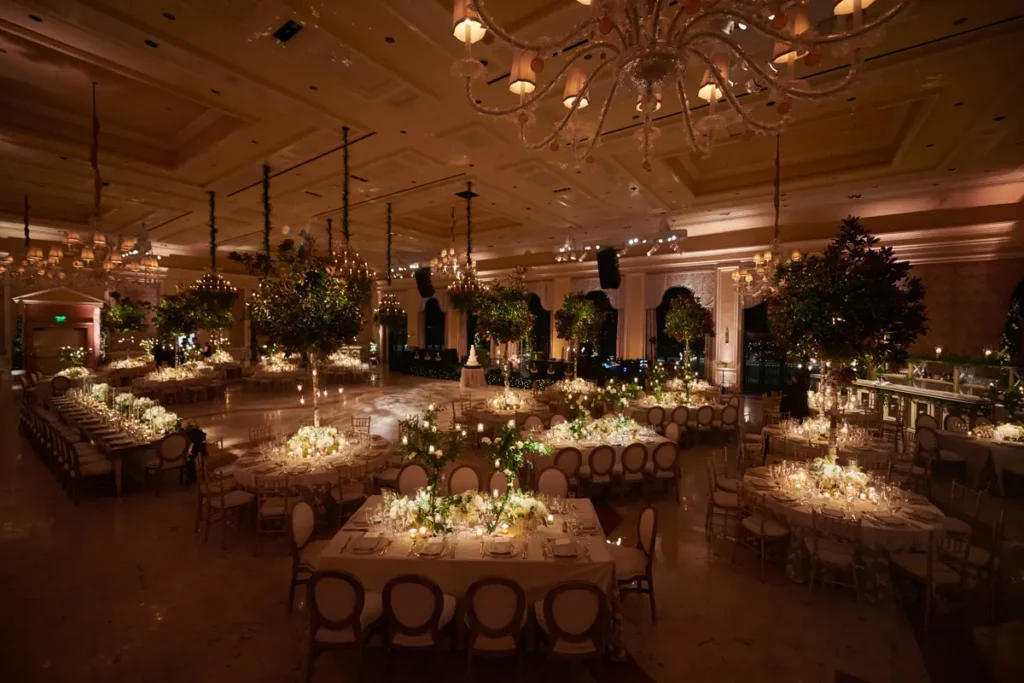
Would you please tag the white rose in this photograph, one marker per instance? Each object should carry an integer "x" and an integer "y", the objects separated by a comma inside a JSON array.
[{"x": 486, "y": 440}]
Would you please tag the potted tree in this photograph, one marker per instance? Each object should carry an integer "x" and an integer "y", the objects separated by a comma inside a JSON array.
[
  {"x": 504, "y": 314},
  {"x": 578, "y": 322},
  {"x": 687, "y": 320},
  {"x": 854, "y": 303}
]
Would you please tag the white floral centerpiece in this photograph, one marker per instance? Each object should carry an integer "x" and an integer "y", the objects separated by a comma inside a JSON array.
[
  {"x": 75, "y": 372},
  {"x": 574, "y": 386},
  {"x": 127, "y": 363},
  {"x": 509, "y": 400},
  {"x": 464, "y": 512},
  {"x": 314, "y": 444},
  {"x": 812, "y": 429},
  {"x": 220, "y": 356},
  {"x": 613, "y": 429},
  {"x": 343, "y": 359},
  {"x": 1007, "y": 431},
  {"x": 276, "y": 362},
  {"x": 100, "y": 392}
]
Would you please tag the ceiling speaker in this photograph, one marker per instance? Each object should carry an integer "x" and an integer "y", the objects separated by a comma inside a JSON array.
[
  {"x": 608, "y": 268},
  {"x": 423, "y": 282}
]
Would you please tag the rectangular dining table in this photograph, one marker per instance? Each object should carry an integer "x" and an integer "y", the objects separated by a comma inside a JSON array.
[{"x": 536, "y": 572}]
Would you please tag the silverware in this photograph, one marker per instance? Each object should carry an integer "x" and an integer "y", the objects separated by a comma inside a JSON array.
[
  {"x": 482, "y": 553},
  {"x": 386, "y": 546},
  {"x": 412, "y": 548},
  {"x": 344, "y": 545},
  {"x": 586, "y": 552},
  {"x": 526, "y": 550}
]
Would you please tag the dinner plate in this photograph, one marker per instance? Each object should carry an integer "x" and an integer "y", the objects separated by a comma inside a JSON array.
[
  {"x": 889, "y": 520},
  {"x": 784, "y": 497},
  {"x": 830, "y": 511},
  {"x": 564, "y": 551},
  {"x": 922, "y": 514},
  {"x": 364, "y": 545},
  {"x": 760, "y": 484}
]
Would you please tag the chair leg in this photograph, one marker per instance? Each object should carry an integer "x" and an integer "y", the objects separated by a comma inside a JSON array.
[
  {"x": 291, "y": 592},
  {"x": 309, "y": 664},
  {"x": 762, "y": 558},
  {"x": 654, "y": 611},
  {"x": 814, "y": 570}
]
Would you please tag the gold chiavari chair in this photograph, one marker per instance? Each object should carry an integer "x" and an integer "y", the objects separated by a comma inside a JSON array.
[{"x": 834, "y": 542}]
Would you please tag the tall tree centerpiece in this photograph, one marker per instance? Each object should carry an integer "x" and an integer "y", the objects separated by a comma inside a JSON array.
[
  {"x": 685, "y": 321},
  {"x": 303, "y": 303},
  {"x": 855, "y": 303},
  {"x": 578, "y": 322},
  {"x": 504, "y": 314},
  {"x": 212, "y": 296}
]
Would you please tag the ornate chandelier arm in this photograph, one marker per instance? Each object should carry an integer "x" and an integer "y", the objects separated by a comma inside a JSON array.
[
  {"x": 743, "y": 112},
  {"x": 543, "y": 91},
  {"x": 684, "y": 101},
  {"x": 656, "y": 19},
  {"x": 756, "y": 22},
  {"x": 542, "y": 46},
  {"x": 633, "y": 22},
  {"x": 774, "y": 81},
  {"x": 600, "y": 121}
]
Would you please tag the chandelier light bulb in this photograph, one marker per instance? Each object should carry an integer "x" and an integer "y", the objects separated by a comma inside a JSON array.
[
  {"x": 849, "y": 6},
  {"x": 574, "y": 82},
  {"x": 641, "y": 101},
  {"x": 799, "y": 24},
  {"x": 522, "y": 80},
  {"x": 709, "y": 89},
  {"x": 466, "y": 24}
]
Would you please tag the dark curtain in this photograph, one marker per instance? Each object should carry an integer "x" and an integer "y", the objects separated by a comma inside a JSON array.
[
  {"x": 433, "y": 318},
  {"x": 605, "y": 347},
  {"x": 540, "y": 335}
]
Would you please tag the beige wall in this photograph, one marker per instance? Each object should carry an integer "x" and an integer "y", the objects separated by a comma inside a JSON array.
[{"x": 967, "y": 304}]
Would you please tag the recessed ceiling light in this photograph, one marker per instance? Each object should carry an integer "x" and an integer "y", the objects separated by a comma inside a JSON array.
[
  {"x": 35, "y": 18},
  {"x": 850, "y": 99},
  {"x": 930, "y": 144},
  {"x": 999, "y": 118},
  {"x": 402, "y": 132},
  {"x": 951, "y": 169},
  {"x": 313, "y": 87},
  {"x": 770, "y": 103},
  {"x": 959, "y": 104},
  {"x": 152, "y": 43},
  {"x": 169, "y": 17},
  {"x": 254, "y": 142},
  {"x": 389, "y": 39},
  {"x": 215, "y": 92},
  {"x": 961, "y": 20}
]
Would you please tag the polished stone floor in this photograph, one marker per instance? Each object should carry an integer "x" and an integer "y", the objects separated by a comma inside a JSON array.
[{"x": 124, "y": 590}]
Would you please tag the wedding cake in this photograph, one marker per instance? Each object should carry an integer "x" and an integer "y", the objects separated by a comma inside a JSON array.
[{"x": 471, "y": 362}]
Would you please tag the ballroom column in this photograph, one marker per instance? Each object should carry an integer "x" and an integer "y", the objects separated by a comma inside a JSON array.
[
  {"x": 635, "y": 311},
  {"x": 560, "y": 291},
  {"x": 728, "y": 335}
]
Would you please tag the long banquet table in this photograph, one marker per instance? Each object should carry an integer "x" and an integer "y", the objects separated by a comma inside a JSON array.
[
  {"x": 979, "y": 453},
  {"x": 586, "y": 447}
]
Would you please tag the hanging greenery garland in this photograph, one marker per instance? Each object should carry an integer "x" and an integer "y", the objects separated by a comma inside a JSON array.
[
  {"x": 212, "y": 296},
  {"x": 389, "y": 313},
  {"x": 464, "y": 292},
  {"x": 350, "y": 265}
]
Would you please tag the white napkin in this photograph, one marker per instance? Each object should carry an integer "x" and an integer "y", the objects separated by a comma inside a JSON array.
[
  {"x": 433, "y": 546},
  {"x": 501, "y": 546},
  {"x": 367, "y": 541},
  {"x": 563, "y": 548}
]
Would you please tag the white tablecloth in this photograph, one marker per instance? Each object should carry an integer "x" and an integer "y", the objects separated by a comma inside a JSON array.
[
  {"x": 978, "y": 452},
  {"x": 454, "y": 575},
  {"x": 472, "y": 377},
  {"x": 501, "y": 417},
  {"x": 913, "y": 536},
  {"x": 361, "y": 467},
  {"x": 874, "y": 451},
  {"x": 542, "y": 461}
]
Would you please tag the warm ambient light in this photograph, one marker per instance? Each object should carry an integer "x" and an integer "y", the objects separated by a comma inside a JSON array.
[
  {"x": 848, "y": 6},
  {"x": 709, "y": 89},
  {"x": 466, "y": 25},
  {"x": 938, "y": 350},
  {"x": 640, "y": 99},
  {"x": 798, "y": 25},
  {"x": 574, "y": 82},
  {"x": 522, "y": 80}
]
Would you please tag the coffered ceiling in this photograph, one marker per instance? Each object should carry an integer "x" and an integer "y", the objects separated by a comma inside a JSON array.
[{"x": 196, "y": 95}]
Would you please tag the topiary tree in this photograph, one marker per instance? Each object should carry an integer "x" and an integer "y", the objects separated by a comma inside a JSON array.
[
  {"x": 853, "y": 303},
  {"x": 504, "y": 314},
  {"x": 579, "y": 322},
  {"x": 303, "y": 303},
  {"x": 122, "y": 315},
  {"x": 175, "y": 316},
  {"x": 687, "y": 320}
]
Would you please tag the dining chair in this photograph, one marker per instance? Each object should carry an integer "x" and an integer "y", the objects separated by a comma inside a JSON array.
[
  {"x": 304, "y": 550},
  {"x": 940, "y": 571},
  {"x": 705, "y": 415},
  {"x": 663, "y": 465},
  {"x": 533, "y": 422},
  {"x": 834, "y": 542},
  {"x": 574, "y": 618},
  {"x": 553, "y": 482},
  {"x": 171, "y": 454},
  {"x": 498, "y": 481},
  {"x": 411, "y": 478},
  {"x": 76, "y": 468},
  {"x": 361, "y": 425},
  {"x": 349, "y": 490},
  {"x": 928, "y": 448},
  {"x": 926, "y": 420},
  {"x": 964, "y": 504},
  {"x": 673, "y": 433},
  {"x": 759, "y": 529},
  {"x": 463, "y": 478},
  {"x": 495, "y": 613},
  {"x": 633, "y": 566},
  {"x": 416, "y": 613},
  {"x": 260, "y": 434},
  {"x": 728, "y": 424},
  {"x": 720, "y": 462},
  {"x": 630, "y": 471},
  {"x": 272, "y": 506},
  {"x": 59, "y": 384},
  {"x": 557, "y": 419},
  {"x": 751, "y": 454},
  {"x": 598, "y": 470},
  {"x": 656, "y": 418},
  {"x": 722, "y": 505},
  {"x": 340, "y": 613},
  {"x": 222, "y": 502},
  {"x": 569, "y": 460}
]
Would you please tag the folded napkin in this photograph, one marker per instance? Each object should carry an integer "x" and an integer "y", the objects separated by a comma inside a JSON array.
[
  {"x": 367, "y": 541},
  {"x": 501, "y": 546},
  {"x": 433, "y": 546}
]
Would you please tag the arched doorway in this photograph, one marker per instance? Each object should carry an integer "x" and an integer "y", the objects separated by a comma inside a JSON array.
[
  {"x": 606, "y": 340},
  {"x": 433, "y": 321},
  {"x": 540, "y": 335},
  {"x": 764, "y": 365}
]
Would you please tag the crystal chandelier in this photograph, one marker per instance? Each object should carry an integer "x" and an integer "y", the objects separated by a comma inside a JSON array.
[
  {"x": 466, "y": 284},
  {"x": 447, "y": 264},
  {"x": 759, "y": 281},
  {"x": 349, "y": 264},
  {"x": 646, "y": 47},
  {"x": 211, "y": 283}
]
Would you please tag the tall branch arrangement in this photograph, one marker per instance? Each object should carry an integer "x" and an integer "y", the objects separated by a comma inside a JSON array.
[
  {"x": 504, "y": 314},
  {"x": 304, "y": 305},
  {"x": 853, "y": 303},
  {"x": 579, "y": 322},
  {"x": 434, "y": 449},
  {"x": 686, "y": 320}
]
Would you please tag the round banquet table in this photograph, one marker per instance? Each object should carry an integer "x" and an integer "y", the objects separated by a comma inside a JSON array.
[
  {"x": 857, "y": 417},
  {"x": 540, "y": 461},
  {"x": 774, "y": 442},
  {"x": 248, "y": 470},
  {"x": 472, "y": 377},
  {"x": 978, "y": 453},
  {"x": 491, "y": 417}
]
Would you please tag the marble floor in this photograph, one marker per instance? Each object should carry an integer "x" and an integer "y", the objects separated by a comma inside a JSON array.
[{"x": 124, "y": 590}]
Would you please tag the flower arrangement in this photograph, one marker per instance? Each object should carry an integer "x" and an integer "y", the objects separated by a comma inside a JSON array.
[
  {"x": 314, "y": 443},
  {"x": 75, "y": 372},
  {"x": 343, "y": 359},
  {"x": 575, "y": 386},
  {"x": 463, "y": 511},
  {"x": 182, "y": 372},
  {"x": 812, "y": 429},
  {"x": 141, "y": 417},
  {"x": 615, "y": 429},
  {"x": 509, "y": 400},
  {"x": 657, "y": 375},
  {"x": 72, "y": 356},
  {"x": 147, "y": 346},
  {"x": 424, "y": 444},
  {"x": 1003, "y": 432},
  {"x": 220, "y": 356},
  {"x": 832, "y": 478},
  {"x": 275, "y": 361},
  {"x": 100, "y": 392},
  {"x": 137, "y": 362},
  {"x": 508, "y": 451}
]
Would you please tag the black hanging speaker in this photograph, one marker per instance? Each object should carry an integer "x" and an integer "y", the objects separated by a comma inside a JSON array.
[
  {"x": 608, "y": 268},
  {"x": 423, "y": 282}
]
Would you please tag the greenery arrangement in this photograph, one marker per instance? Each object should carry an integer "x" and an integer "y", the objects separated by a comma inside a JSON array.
[
  {"x": 686, "y": 320},
  {"x": 504, "y": 314},
  {"x": 123, "y": 315},
  {"x": 508, "y": 450},
  {"x": 433, "y": 449},
  {"x": 175, "y": 316},
  {"x": 72, "y": 356},
  {"x": 212, "y": 299},
  {"x": 1009, "y": 345},
  {"x": 303, "y": 304},
  {"x": 853, "y": 303},
  {"x": 579, "y": 322}
]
